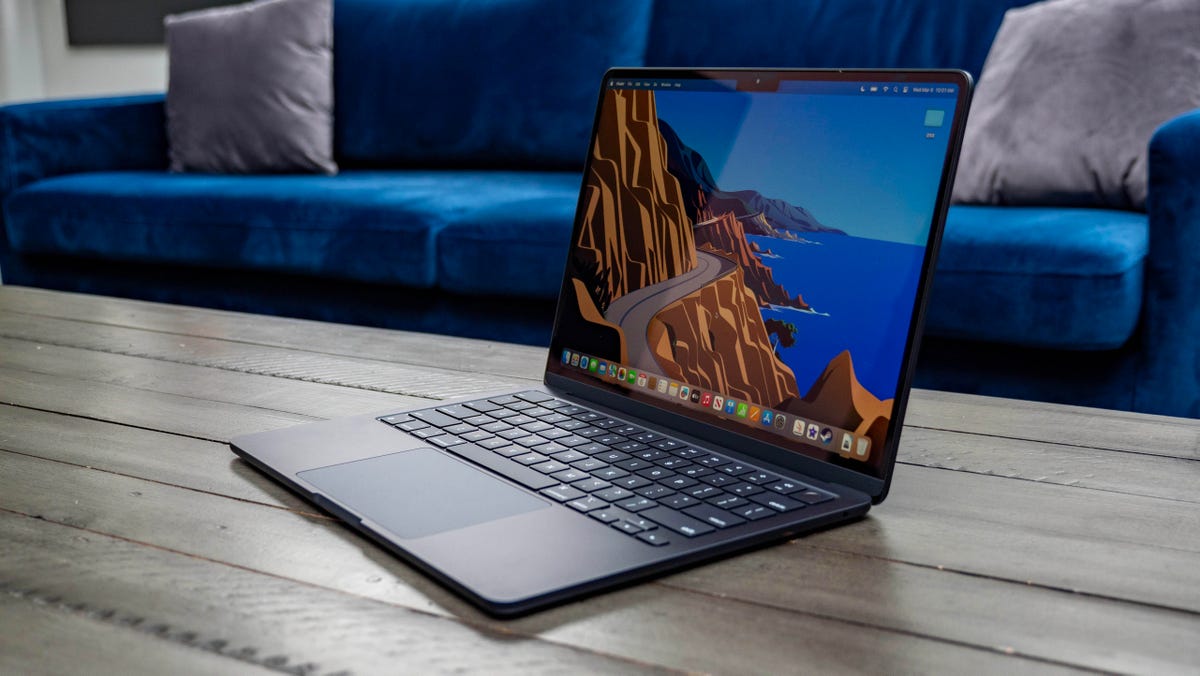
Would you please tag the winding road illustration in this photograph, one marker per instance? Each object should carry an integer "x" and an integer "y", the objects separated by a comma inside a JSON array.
[{"x": 633, "y": 311}]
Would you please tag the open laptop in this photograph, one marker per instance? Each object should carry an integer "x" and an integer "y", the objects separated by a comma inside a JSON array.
[{"x": 734, "y": 342}]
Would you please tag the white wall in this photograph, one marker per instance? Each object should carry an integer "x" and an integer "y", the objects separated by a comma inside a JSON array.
[{"x": 36, "y": 62}]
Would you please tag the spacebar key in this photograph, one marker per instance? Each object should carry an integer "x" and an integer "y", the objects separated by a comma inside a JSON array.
[
  {"x": 675, "y": 521},
  {"x": 503, "y": 466}
]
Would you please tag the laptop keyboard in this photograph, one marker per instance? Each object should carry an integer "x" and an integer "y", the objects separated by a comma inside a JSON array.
[{"x": 640, "y": 482}]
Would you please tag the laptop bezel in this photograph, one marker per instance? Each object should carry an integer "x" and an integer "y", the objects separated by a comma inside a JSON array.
[{"x": 765, "y": 79}]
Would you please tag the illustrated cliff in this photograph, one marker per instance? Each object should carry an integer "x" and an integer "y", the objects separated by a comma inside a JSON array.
[
  {"x": 837, "y": 398},
  {"x": 636, "y": 231},
  {"x": 726, "y": 235},
  {"x": 715, "y": 338}
]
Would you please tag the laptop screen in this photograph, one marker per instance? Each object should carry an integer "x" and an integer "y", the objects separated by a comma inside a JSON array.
[{"x": 749, "y": 249}]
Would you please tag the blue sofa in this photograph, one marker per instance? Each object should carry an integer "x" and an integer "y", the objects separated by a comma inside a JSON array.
[{"x": 460, "y": 131}]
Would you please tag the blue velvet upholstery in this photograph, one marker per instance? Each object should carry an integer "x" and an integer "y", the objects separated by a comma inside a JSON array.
[
  {"x": 825, "y": 33},
  {"x": 383, "y": 227},
  {"x": 1040, "y": 277},
  {"x": 508, "y": 83}
]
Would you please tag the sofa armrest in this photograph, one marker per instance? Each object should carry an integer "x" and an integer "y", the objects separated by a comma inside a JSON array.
[
  {"x": 50, "y": 138},
  {"x": 1170, "y": 360}
]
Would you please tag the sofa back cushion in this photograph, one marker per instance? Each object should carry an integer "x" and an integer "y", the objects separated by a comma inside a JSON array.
[
  {"x": 825, "y": 33},
  {"x": 508, "y": 83}
]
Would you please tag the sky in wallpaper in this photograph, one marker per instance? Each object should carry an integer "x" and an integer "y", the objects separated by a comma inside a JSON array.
[{"x": 862, "y": 164}]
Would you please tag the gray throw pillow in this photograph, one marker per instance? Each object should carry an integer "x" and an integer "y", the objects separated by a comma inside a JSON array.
[
  {"x": 1069, "y": 96},
  {"x": 250, "y": 88}
]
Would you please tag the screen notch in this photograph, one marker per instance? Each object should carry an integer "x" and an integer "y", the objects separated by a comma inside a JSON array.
[{"x": 758, "y": 81}]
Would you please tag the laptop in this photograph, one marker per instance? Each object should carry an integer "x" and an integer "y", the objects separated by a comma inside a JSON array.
[{"x": 732, "y": 351}]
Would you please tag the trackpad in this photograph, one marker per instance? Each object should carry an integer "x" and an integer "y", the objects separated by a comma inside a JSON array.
[{"x": 421, "y": 492}]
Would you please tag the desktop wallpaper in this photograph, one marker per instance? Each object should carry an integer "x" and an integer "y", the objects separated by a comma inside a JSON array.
[{"x": 727, "y": 247}]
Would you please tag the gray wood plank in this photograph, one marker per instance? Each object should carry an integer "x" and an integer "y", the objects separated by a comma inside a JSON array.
[
  {"x": 158, "y": 604},
  {"x": 400, "y": 347},
  {"x": 1122, "y": 472},
  {"x": 992, "y": 609},
  {"x": 349, "y": 370},
  {"x": 310, "y": 399},
  {"x": 155, "y": 456},
  {"x": 38, "y": 637},
  {"x": 738, "y": 637}
]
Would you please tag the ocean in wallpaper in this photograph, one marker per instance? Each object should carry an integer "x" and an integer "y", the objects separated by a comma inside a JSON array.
[{"x": 855, "y": 286}]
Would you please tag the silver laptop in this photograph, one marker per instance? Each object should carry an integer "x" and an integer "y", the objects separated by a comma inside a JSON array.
[{"x": 735, "y": 338}]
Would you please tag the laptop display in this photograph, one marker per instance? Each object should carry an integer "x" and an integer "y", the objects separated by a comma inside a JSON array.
[{"x": 748, "y": 252}]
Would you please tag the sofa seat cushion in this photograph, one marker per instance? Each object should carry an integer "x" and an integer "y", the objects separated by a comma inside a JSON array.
[
  {"x": 1040, "y": 277},
  {"x": 367, "y": 226}
]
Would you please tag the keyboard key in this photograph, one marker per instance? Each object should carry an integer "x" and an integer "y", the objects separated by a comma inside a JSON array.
[
  {"x": 812, "y": 496},
  {"x": 529, "y": 441},
  {"x": 483, "y": 406},
  {"x": 477, "y": 435},
  {"x": 412, "y": 425},
  {"x": 396, "y": 419},
  {"x": 554, "y": 433},
  {"x": 696, "y": 471},
  {"x": 644, "y": 524},
  {"x": 445, "y": 441},
  {"x": 521, "y": 406},
  {"x": 654, "y": 492},
  {"x": 632, "y": 482},
  {"x": 587, "y": 504},
  {"x": 550, "y": 467},
  {"x": 534, "y": 396},
  {"x": 759, "y": 478},
  {"x": 530, "y": 458},
  {"x": 712, "y": 461},
  {"x": 611, "y": 456},
  {"x": 626, "y": 527},
  {"x": 666, "y": 444},
  {"x": 736, "y": 469},
  {"x": 727, "y": 501},
  {"x": 674, "y": 463},
  {"x": 503, "y": 414},
  {"x": 633, "y": 464},
  {"x": 656, "y": 538},
  {"x": 679, "y": 482},
  {"x": 589, "y": 464},
  {"x": 538, "y": 412},
  {"x": 515, "y": 433},
  {"x": 609, "y": 473},
  {"x": 480, "y": 420},
  {"x": 718, "y": 479},
  {"x": 571, "y": 440},
  {"x": 754, "y": 512},
  {"x": 504, "y": 401},
  {"x": 520, "y": 419},
  {"x": 637, "y": 504},
  {"x": 593, "y": 448},
  {"x": 656, "y": 473},
  {"x": 603, "y": 515},
  {"x": 509, "y": 451},
  {"x": 562, "y": 493},
  {"x": 646, "y": 437},
  {"x": 590, "y": 484},
  {"x": 555, "y": 404},
  {"x": 568, "y": 456},
  {"x": 777, "y": 502},
  {"x": 680, "y": 523},
  {"x": 572, "y": 410},
  {"x": 628, "y": 430},
  {"x": 586, "y": 416},
  {"x": 573, "y": 425},
  {"x": 609, "y": 439},
  {"x": 601, "y": 421},
  {"x": 744, "y": 489},
  {"x": 460, "y": 428},
  {"x": 652, "y": 454},
  {"x": 550, "y": 448},
  {"x": 535, "y": 426},
  {"x": 495, "y": 427},
  {"x": 717, "y": 517},
  {"x": 703, "y": 492},
  {"x": 614, "y": 494},
  {"x": 494, "y": 443},
  {"x": 688, "y": 453},
  {"x": 569, "y": 474},
  {"x": 679, "y": 501},
  {"x": 587, "y": 431},
  {"x": 435, "y": 418},
  {"x": 457, "y": 411},
  {"x": 630, "y": 446},
  {"x": 786, "y": 487},
  {"x": 504, "y": 467}
]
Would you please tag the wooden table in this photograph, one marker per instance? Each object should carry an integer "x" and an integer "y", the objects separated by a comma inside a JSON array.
[{"x": 1018, "y": 535}]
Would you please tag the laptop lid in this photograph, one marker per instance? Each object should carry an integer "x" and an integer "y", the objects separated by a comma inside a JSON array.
[{"x": 752, "y": 254}]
